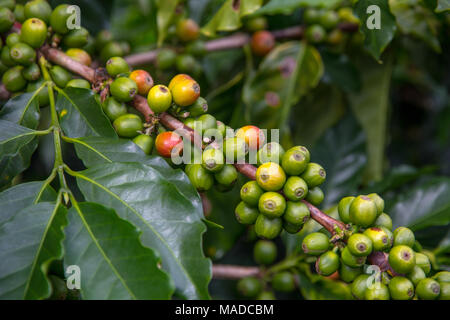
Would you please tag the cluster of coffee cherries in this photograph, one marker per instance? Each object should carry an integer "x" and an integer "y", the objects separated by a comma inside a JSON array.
[
  {"x": 273, "y": 201},
  {"x": 265, "y": 254},
  {"x": 371, "y": 236}
]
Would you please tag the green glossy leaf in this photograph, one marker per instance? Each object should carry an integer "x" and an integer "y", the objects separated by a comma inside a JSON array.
[
  {"x": 22, "y": 110},
  {"x": 414, "y": 18},
  {"x": 376, "y": 40},
  {"x": 170, "y": 222},
  {"x": 371, "y": 107},
  {"x": 341, "y": 151},
  {"x": 443, "y": 5},
  {"x": 81, "y": 115},
  {"x": 288, "y": 6},
  {"x": 444, "y": 245},
  {"x": 17, "y": 144},
  {"x": 166, "y": 11},
  {"x": 340, "y": 71},
  {"x": 29, "y": 242},
  {"x": 105, "y": 246},
  {"x": 16, "y": 198},
  {"x": 426, "y": 205},
  {"x": 228, "y": 17}
]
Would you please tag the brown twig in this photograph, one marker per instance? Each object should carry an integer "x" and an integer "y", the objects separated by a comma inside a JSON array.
[{"x": 220, "y": 271}]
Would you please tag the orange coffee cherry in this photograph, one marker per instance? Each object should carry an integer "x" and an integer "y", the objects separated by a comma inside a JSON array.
[
  {"x": 143, "y": 80},
  {"x": 166, "y": 142},
  {"x": 262, "y": 42}
]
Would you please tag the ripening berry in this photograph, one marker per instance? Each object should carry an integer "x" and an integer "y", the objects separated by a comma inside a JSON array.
[
  {"x": 262, "y": 42},
  {"x": 166, "y": 142},
  {"x": 185, "y": 92},
  {"x": 159, "y": 98},
  {"x": 143, "y": 80},
  {"x": 187, "y": 30},
  {"x": 80, "y": 55},
  {"x": 253, "y": 136}
]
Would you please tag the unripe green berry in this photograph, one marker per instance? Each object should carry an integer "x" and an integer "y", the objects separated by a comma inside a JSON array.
[
  {"x": 78, "y": 83},
  {"x": 272, "y": 204},
  {"x": 234, "y": 149},
  {"x": 213, "y": 160},
  {"x": 76, "y": 38},
  {"x": 315, "y": 33},
  {"x": 383, "y": 220},
  {"x": 7, "y": 19},
  {"x": 359, "y": 245},
  {"x": 38, "y": 9},
  {"x": 294, "y": 162},
  {"x": 270, "y": 152},
  {"x": 351, "y": 260},
  {"x": 404, "y": 236},
  {"x": 13, "y": 79},
  {"x": 283, "y": 281},
  {"x": 33, "y": 32},
  {"x": 359, "y": 286},
  {"x": 423, "y": 262},
  {"x": 416, "y": 275},
  {"x": 314, "y": 175},
  {"x": 267, "y": 228},
  {"x": 379, "y": 238},
  {"x": 42, "y": 95},
  {"x": 201, "y": 179},
  {"x": 246, "y": 214},
  {"x": 327, "y": 263},
  {"x": 207, "y": 122},
  {"x": 23, "y": 54},
  {"x": 199, "y": 108},
  {"x": 297, "y": 213},
  {"x": 60, "y": 76},
  {"x": 113, "y": 108},
  {"x": 445, "y": 291},
  {"x": 442, "y": 276},
  {"x": 292, "y": 228},
  {"x": 402, "y": 259},
  {"x": 378, "y": 291},
  {"x": 58, "y": 18},
  {"x": 400, "y": 288},
  {"x": 363, "y": 211},
  {"x": 265, "y": 252},
  {"x": 251, "y": 192},
  {"x": 32, "y": 72},
  {"x": 116, "y": 66},
  {"x": 428, "y": 289},
  {"x": 227, "y": 176},
  {"x": 165, "y": 58},
  {"x": 344, "y": 208},
  {"x": 145, "y": 142},
  {"x": 266, "y": 295},
  {"x": 315, "y": 196},
  {"x": 379, "y": 202},
  {"x": 19, "y": 13},
  {"x": 315, "y": 243},
  {"x": 12, "y": 39},
  {"x": 295, "y": 188},
  {"x": 348, "y": 274},
  {"x": 123, "y": 89},
  {"x": 249, "y": 287}
]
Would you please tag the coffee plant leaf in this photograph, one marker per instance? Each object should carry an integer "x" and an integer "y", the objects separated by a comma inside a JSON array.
[
  {"x": 443, "y": 5},
  {"x": 23, "y": 110},
  {"x": 340, "y": 71},
  {"x": 166, "y": 10},
  {"x": 288, "y": 6}
]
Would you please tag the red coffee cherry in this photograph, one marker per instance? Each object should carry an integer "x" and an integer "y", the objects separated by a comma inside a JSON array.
[
  {"x": 166, "y": 142},
  {"x": 262, "y": 43}
]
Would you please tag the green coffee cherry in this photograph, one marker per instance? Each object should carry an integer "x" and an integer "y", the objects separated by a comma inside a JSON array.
[
  {"x": 246, "y": 214},
  {"x": 111, "y": 49},
  {"x": 7, "y": 19},
  {"x": 445, "y": 291},
  {"x": 315, "y": 243},
  {"x": 379, "y": 202},
  {"x": 58, "y": 19},
  {"x": 22, "y": 54},
  {"x": 165, "y": 58},
  {"x": 227, "y": 176},
  {"x": 423, "y": 262},
  {"x": 199, "y": 107},
  {"x": 363, "y": 211},
  {"x": 315, "y": 196},
  {"x": 159, "y": 98},
  {"x": 256, "y": 24},
  {"x": 359, "y": 286},
  {"x": 267, "y": 228},
  {"x": 266, "y": 295},
  {"x": 13, "y": 79},
  {"x": 272, "y": 204},
  {"x": 221, "y": 127},
  {"x": 6, "y": 57},
  {"x": 251, "y": 192},
  {"x": 378, "y": 291},
  {"x": 344, "y": 208},
  {"x": 303, "y": 150},
  {"x": 400, "y": 288},
  {"x": 102, "y": 39},
  {"x": 389, "y": 234},
  {"x": 12, "y": 39},
  {"x": 383, "y": 220},
  {"x": 76, "y": 38},
  {"x": 207, "y": 122},
  {"x": 116, "y": 66},
  {"x": 38, "y": 9},
  {"x": 442, "y": 276},
  {"x": 329, "y": 19},
  {"x": 351, "y": 260},
  {"x": 10, "y": 4},
  {"x": 185, "y": 63},
  {"x": 314, "y": 175},
  {"x": 315, "y": 33},
  {"x": 213, "y": 160},
  {"x": 3, "y": 68},
  {"x": 359, "y": 245},
  {"x": 128, "y": 125},
  {"x": 32, "y": 72},
  {"x": 311, "y": 16},
  {"x": 114, "y": 109},
  {"x": 34, "y": 32},
  {"x": 196, "y": 48},
  {"x": 379, "y": 238},
  {"x": 270, "y": 152},
  {"x": 327, "y": 263},
  {"x": 295, "y": 188},
  {"x": 249, "y": 287},
  {"x": 60, "y": 76},
  {"x": 283, "y": 281},
  {"x": 234, "y": 149},
  {"x": 78, "y": 83},
  {"x": 43, "y": 94},
  {"x": 404, "y": 236},
  {"x": 416, "y": 275},
  {"x": 297, "y": 213},
  {"x": 19, "y": 13},
  {"x": 402, "y": 259},
  {"x": 200, "y": 178},
  {"x": 292, "y": 228},
  {"x": 145, "y": 142},
  {"x": 294, "y": 162},
  {"x": 348, "y": 274},
  {"x": 264, "y": 252},
  {"x": 428, "y": 289},
  {"x": 123, "y": 89}
]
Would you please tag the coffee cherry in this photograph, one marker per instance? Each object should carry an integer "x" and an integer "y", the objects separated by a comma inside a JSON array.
[
  {"x": 34, "y": 32},
  {"x": 315, "y": 196},
  {"x": 227, "y": 176},
  {"x": 246, "y": 214},
  {"x": 283, "y": 281},
  {"x": 404, "y": 236},
  {"x": 266, "y": 295},
  {"x": 13, "y": 79},
  {"x": 19, "y": 13},
  {"x": 145, "y": 142},
  {"x": 128, "y": 125},
  {"x": 6, "y": 57},
  {"x": 200, "y": 178},
  {"x": 351, "y": 260},
  {"x": 272, "y": 204},
  {"x": 76, "y": 38},
  {"x": 346, "y": 14},
  {"x": 402, "y": 259},
  {"x": 270, "y": 176},
  {"x": 166, "y": 142},
  {"x": 12, "y": 39},
  {"x": 428, "y": 289},
  {"x": 111, "y": 49},
  {"x": 378, "y": 291},
  {"x": 196, "y": 48},
  {"x": 213, "y": 160},
  {"x": 303, "y": 150},
  {"x": 159, "y": 98},
  {"x": 270, "y": 152},
  {"x": 262, "y": 42},
  {"x": 379, "y": 238},
  {"x": 116, "y": 66},
  {"x": 442, "y": 276},
  {"x": 348, "y": 274},
  {"x": 315, "y": 243},
  {"x": 363, "y": 211},
  {"x": 187, "y": 30},
  {"x": 42, "y": 96},
  {"x": 390, "y": 235},
  {"x": 423, "y": 262},
  {"x": 445, "y": 291},
  {"x": 292, "y": 228},
  {"x": 102, "y": 39},
  {"x": 38, "y": 9},
  {"x": 315, "y": 33},
  {"x": 256, "y": 24},
  {"x": 185, "y": 63},
  {"x": 178, "y": 79},
  {"x": 234, "y": 149},
  {"x": 199, "y": 108},
  {"x": 60, "y": 76},
  {"x": 143, "y": 80},
  {"x": 329, "y": 19},
  {"x": 23, "y": 54},
  {"x": 78, "y": 83},
  {"x": 253, "y": 136},
  {"x": 249, "y": 287},
  {"x": 251, "y": 192},
  {"x": 295, "y": 188},
  {"x": 359, "y": 286},
  {"x": 10, "y": 4},
  {"x": 123, "y": 89},
  {"x": 335, "y": 37},
  {"x": 383, "y": 220},
  {"x": 379, "y": 202},
  {"x": 185, "y": 92},
  {"x": 314, "y": 175},
  {"x": 327, "y": 263},
  {"x": 6, "y": 19},
  {"x": 207, "y": 122},
  {"x": 311, "y": 16},
  {"x": 294, "y": 162},
  {"x": 416, "y": 275},
  {"x": 80, "y": 55},
  {"x": 264, "y": 252},
  {"x": 32, "y": 72},
  {"x": 165, "y": 58},
  {"x": 400, "y": 288},
  {"x": 113, "y": 108},
  {"x": 267, "y": 228},
  {"x": 58, "y": 19},
  {"x": 297, "y": 213},
  {"x": 359, "y": 245},
  {"x": 344, "y": 208}
]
